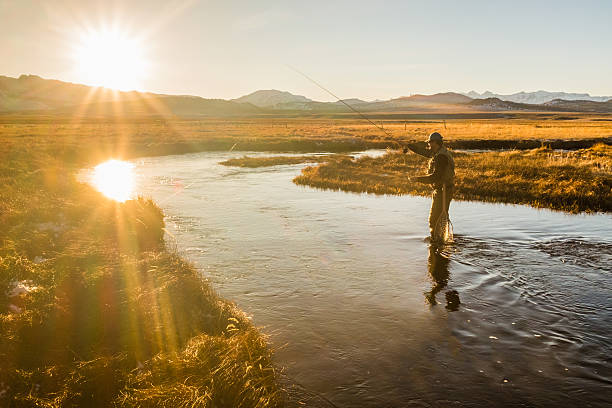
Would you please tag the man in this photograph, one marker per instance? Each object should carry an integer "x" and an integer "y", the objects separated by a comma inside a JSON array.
[{"x": 441, "y": 175}]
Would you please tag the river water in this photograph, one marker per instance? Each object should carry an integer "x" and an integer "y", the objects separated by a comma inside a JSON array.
[{"x": 362, "y": 312}]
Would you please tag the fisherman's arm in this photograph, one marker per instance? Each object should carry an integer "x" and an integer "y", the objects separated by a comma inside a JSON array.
[
  {"x": 437, "y": 177},
  {"x": 419, "y": 148}
]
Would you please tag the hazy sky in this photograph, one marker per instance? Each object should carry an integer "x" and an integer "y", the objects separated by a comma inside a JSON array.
[{"x": 366, "y": 49}]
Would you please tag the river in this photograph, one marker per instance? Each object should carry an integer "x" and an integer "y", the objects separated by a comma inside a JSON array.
[{"x": 362, "y": 312}]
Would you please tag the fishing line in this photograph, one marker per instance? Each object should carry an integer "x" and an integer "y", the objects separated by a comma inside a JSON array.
[
  {"x": 177, "y": 192},
  {"x": 329, "y": 92},
  {"x": 343, "y": 102},
  {"x": 188, "y": 185}
]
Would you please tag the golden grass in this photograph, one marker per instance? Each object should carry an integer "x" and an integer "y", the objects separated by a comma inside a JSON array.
[
  {"x": 110, "y": 316},
  {"x": 149, "y": 137},
  {"x": 575, "y": 181},
  {"x": 107, "y": 315}
]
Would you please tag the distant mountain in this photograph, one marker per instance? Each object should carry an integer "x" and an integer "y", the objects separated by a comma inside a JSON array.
[
  {"x": 579, "y": 106},
  {"x": 420, "y": 102},
  {"x": 443, "y": 98},
  {"x": 496, "y": 104},
  {"x": 35, "y": 94},
  {"x": 351, "y": 101},
  {"x": 31, "y": 93},
  {"x": 414, "y": 102},
  {"x": 556, "y": 105},
  {"x": 538, "y": 97},
  {"x": 272, "y": 98},
  {"x": 164, "y": 105}
]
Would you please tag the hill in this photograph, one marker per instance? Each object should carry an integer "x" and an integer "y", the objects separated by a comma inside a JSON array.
[
  {"x": 440, "y": 101},
  {"x": 557, "y": 105},
  {"x": 441, "y": 98},
  {"x": 31, "y": 93},
  {"x": 352, "y": 101},
  {"x": 496, "y": 104},
  {"x": 186, "y": 106},
  {"x": 272, "y": 98},
  {"x": 580, "y": 106}
]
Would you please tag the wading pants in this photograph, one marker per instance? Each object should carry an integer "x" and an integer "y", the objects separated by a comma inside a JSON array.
[{"x": 437, "y": 205}]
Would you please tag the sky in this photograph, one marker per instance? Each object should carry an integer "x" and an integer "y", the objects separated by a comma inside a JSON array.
[{"x": 364, "y": 49}]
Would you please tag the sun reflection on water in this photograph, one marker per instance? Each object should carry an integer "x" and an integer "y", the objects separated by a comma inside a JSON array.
[{"x": 115, "y": 179}]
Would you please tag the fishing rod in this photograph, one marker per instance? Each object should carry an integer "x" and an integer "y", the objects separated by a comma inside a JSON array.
[
  {"x": 344, "y": 103},
  {"x": 329, "y": 92}
]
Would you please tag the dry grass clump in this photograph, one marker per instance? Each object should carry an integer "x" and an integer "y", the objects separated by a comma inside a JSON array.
[
  {"x": 575, "y": 181},
  {"x": 96, "y": 311},
  {"x": 212, "y": 372}
]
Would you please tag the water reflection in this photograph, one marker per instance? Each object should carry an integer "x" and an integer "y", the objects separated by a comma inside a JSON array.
[
  {"x": 536, "y": 310},
  {"x": 114, "y": 179},
  {"x": 437, "y": 265}
]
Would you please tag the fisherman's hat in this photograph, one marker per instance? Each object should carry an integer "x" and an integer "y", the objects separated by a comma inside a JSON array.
[{"x": 435, "y": 137}]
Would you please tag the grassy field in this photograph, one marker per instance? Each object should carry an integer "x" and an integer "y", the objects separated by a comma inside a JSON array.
[
  {"x": 572, "y": 181},
  {"x": 95, "y": 310},
  {"x": 149, "y": 136}
]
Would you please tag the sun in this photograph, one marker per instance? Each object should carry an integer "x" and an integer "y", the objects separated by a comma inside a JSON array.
[
  {"x": 115, "y": 179},
  {"x": 110, "y": 58}
]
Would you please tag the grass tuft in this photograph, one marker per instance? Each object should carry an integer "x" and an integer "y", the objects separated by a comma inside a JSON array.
[
  {"x": 95, "y": 310},
  {"x": 578, "y": 181}
]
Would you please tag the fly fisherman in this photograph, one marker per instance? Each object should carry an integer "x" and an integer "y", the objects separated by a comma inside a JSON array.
[{"x": 440, "y": 174}]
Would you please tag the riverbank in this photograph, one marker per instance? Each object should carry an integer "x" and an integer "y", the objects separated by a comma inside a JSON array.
[
  {"x": 579, "y": 181},
  {"x": 96, "y": 309}
]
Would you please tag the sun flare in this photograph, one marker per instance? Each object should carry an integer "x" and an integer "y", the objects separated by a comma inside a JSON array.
[
  {"x": 110, "y": 58},
  {"x": 115, "y": 179}
]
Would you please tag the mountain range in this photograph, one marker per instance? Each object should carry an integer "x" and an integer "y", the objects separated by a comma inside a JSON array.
[
  {"x": 538, "y": 97},
  {"x": 33, "y": 94}
]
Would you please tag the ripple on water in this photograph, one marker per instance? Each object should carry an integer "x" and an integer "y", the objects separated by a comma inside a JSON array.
[
  {"x": 529, "y": 307},
  {"x": 578, "y": 251},
  {"x": 355, "y": 302}
]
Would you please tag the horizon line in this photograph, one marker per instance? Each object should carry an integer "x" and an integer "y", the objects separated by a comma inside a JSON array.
[{"x": 296, "y": 94}]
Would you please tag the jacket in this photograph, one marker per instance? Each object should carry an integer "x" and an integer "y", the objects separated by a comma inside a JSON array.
[{"x": 441, "y": 170}]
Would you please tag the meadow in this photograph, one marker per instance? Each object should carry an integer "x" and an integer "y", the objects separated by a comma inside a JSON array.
[
  {"x": 137, "y": 137},
  {"x": 577, "y": 181},
  {"x": 97, "y": 310}
]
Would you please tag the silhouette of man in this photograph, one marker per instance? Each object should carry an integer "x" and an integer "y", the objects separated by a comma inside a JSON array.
[{"x": 440, "y": 174}]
